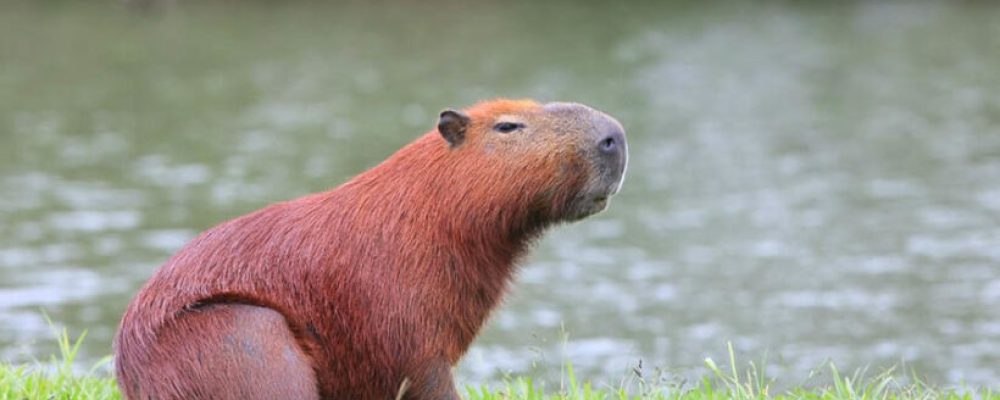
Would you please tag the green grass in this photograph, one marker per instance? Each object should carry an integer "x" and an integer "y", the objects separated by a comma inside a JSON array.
[
  {"x": 730, "y": 383},
  {"x": 56, "y": 379}
]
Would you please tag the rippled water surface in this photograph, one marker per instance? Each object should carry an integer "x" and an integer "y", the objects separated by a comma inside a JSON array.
[{"x": 808, "y": 182}]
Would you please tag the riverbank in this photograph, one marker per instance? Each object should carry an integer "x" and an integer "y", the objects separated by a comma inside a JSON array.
[
  {"x": 57, "y": 379},
  {"x": 30, "y": 383}
]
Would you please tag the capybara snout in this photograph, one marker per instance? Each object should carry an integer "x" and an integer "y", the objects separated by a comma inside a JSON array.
[
  {"x": 601, "y": 143},
  {"x": 612, "y": 149}
]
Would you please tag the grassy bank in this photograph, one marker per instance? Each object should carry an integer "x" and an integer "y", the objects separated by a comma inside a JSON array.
[{"x": 56, "y": 379}]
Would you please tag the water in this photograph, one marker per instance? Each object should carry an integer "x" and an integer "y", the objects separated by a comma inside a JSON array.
[{"x": 809, "y": 182}]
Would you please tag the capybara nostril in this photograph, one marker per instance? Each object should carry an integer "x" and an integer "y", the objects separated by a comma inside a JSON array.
[
  {"x": 608, "y": 145},
  {"x": 611, "y": 144}
]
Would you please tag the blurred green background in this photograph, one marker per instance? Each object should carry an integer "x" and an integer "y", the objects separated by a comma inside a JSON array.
[{"x": 809, "y": 180}]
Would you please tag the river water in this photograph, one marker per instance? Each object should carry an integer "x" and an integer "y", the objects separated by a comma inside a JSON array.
[{"x": 808, "y": 182}]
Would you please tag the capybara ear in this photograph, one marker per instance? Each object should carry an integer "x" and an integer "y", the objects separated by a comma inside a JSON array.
[{"x": 452, "y": 125}]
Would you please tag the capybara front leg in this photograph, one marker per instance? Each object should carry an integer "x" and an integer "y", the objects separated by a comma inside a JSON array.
[{"x": 227, "y": 351}]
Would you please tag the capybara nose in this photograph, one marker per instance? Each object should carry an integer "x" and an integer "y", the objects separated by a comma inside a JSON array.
[{"x": 612, "y": 144}]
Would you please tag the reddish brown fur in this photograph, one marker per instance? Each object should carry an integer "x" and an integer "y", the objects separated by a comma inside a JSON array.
[{"x": 386, "y": 278}]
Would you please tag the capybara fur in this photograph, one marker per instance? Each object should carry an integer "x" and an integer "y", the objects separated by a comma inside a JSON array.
[{"x": 374, "y": 289}]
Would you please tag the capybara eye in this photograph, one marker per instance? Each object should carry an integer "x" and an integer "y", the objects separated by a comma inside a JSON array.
[{"x": 507, "y": 127}]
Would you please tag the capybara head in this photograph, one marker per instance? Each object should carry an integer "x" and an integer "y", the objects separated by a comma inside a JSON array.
[{"x": 562, "y": 161}]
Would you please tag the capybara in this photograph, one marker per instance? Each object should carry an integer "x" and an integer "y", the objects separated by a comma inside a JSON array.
[{"x": 376, "y": 288}]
